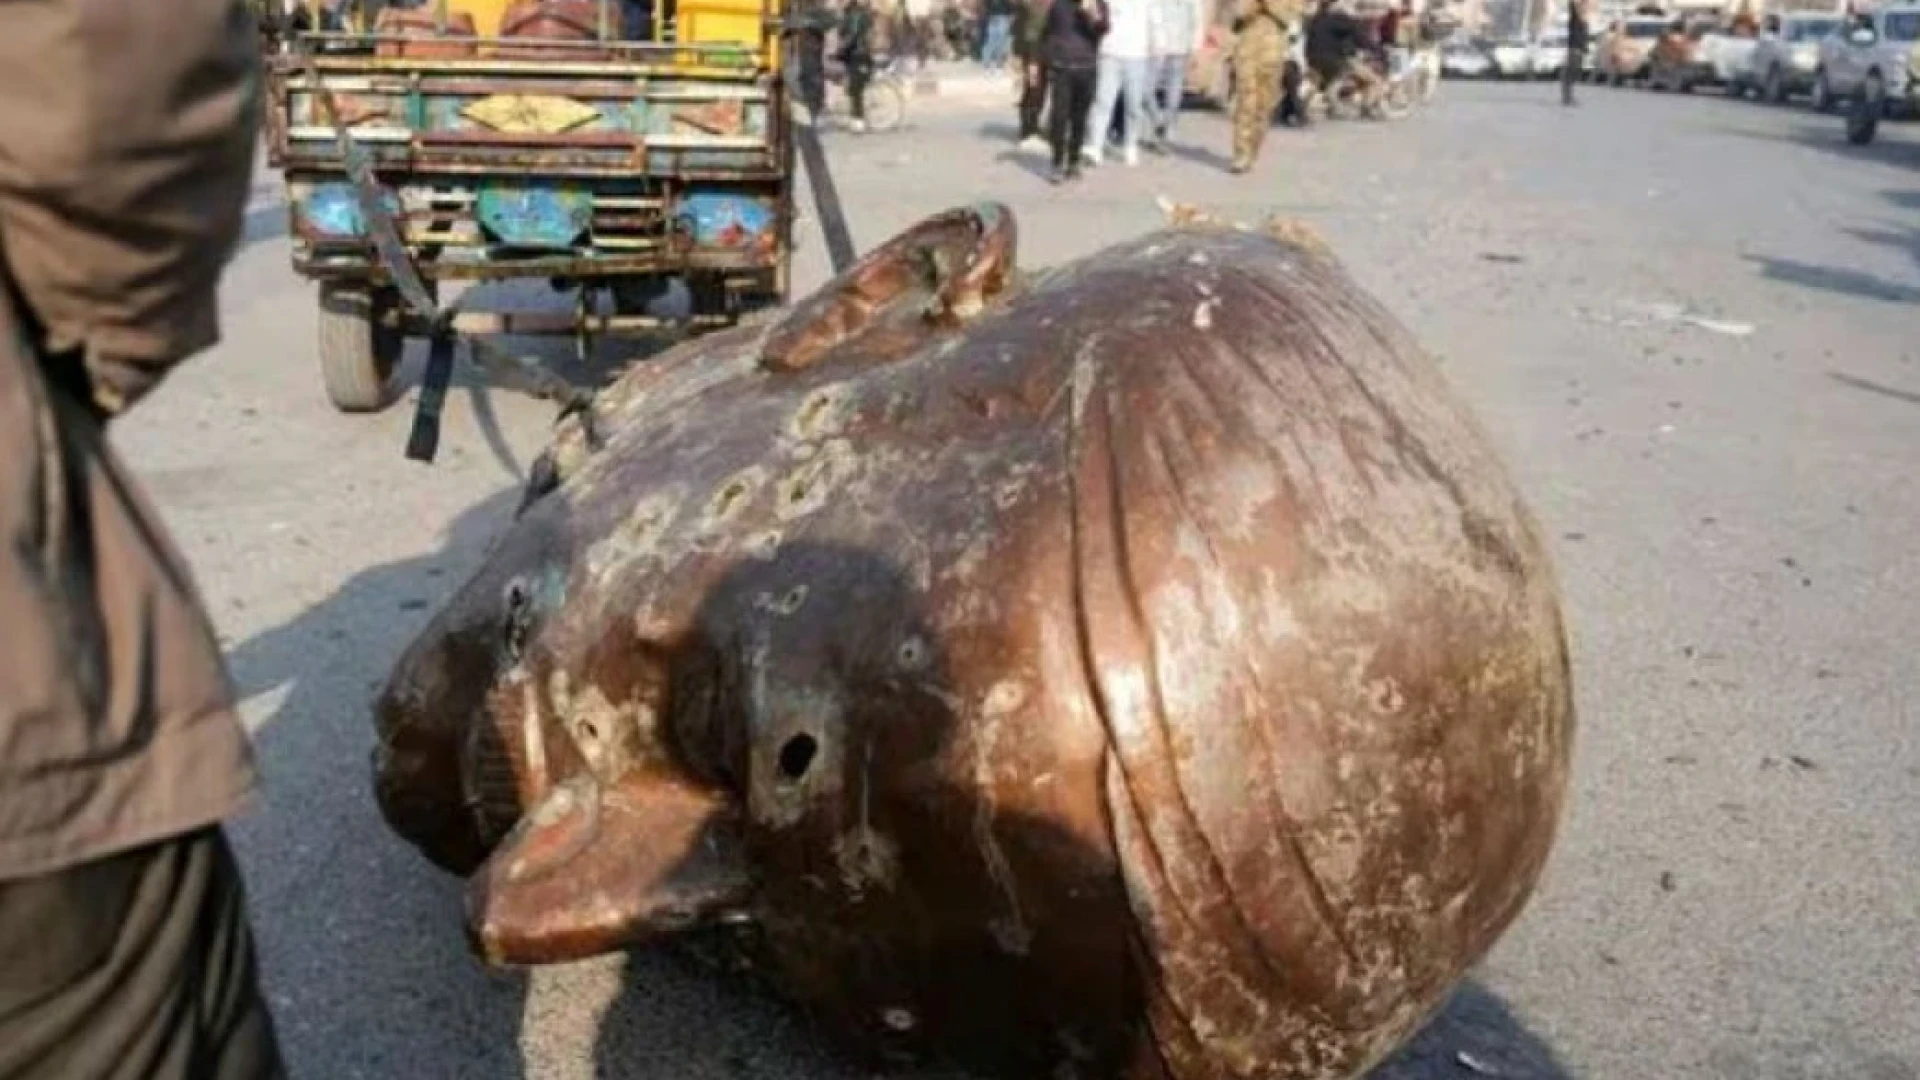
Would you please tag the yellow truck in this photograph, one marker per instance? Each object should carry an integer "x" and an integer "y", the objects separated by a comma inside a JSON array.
[{"x": 450, "y": 142}]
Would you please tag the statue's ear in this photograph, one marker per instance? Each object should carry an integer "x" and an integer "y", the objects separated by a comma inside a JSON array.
[
  {"x": 593, "y": 869},
  {"x": 951, "y": 267}
]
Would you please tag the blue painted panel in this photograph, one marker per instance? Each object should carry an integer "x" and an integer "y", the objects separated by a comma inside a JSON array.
[
  {"x": 548, "y": 216},
  {"x": 332, "y": 210},
  {"x": 720, "y": 220}
]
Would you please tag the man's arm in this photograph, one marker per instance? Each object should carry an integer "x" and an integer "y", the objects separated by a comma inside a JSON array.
[{"x": 126, "y": 150}]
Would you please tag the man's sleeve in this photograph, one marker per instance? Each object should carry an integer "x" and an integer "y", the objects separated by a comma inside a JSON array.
[{"x": 126, "y": 150}]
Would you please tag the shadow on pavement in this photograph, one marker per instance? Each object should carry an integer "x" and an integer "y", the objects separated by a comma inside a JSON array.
[
  {"x": 1894, "y": 146},
  {"x": 1034, "y": 164},
  {"x": 1859, "y": 283},
  {"x": 1907, "y": 241},
  {"x": 362, "y": 951},
  {"x": 1475, "y": 1034},
  {"x": 1212, "y": 159},
  {"x": 1872, "y": 387},
  {"x": 1000, "y": 131}
]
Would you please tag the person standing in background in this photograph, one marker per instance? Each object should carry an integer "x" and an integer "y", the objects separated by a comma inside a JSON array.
[
  {"x": 1029, "y": 33},
  {"x": 856, "y": 53},
  {"x": 126, "y": 151},
  {"x": 1388, "y": 34},
  {"x": 1263, "y": 32},
  {"x": 1070, "y": 43},
  {"x": 1576, "y": 49},
  {"x": 812, "y": 19},
  {"x": 1176, "y": 32},
  {"x": 1122, "y": 76},
  {"x": 999, "y": 34},
  {"x": 314, "y": 16}
]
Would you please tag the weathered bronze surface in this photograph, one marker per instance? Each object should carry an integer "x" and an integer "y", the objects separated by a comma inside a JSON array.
[{"x": 1145, "y": 670}]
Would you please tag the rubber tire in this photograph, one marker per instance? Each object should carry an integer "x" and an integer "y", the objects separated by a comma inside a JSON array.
[
  {"x": 1863, "y": 113},
  {"x": 358, "y": 355},
  {"x": 1397, "y": 102},
  {"x": 886, "y": 105}
]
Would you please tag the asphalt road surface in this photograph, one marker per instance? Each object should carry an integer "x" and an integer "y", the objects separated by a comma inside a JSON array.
[{"x": 1693, "y": 325}]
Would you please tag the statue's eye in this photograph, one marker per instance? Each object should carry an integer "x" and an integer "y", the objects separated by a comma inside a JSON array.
[{"x": 519, "y": 620}]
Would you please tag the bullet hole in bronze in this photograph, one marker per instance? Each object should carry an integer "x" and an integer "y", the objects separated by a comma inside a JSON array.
[
  {"x": 796, "y": 755},
  {"x": 912, "y": 653},
  {"x": 797, "y": 491},
  {"x": 810, "y": 412},
  {"x": 589, "y": 732},
  {"x": 518, "y": 619},
  {"x": 791, "y": 602},
  {"x": 729, "y": 495}
]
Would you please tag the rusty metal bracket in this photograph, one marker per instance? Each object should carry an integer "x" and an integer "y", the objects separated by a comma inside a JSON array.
[{"x": 424, "y": 439}]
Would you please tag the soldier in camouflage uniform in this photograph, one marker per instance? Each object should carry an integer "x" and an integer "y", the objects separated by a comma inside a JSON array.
[{"x": 1263, "y": 30}]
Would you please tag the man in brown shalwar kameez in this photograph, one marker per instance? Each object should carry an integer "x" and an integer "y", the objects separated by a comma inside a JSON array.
[{"x": 126, "y": 148}]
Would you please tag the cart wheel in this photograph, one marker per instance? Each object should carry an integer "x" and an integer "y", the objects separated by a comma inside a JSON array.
[
  {"x": 358, "y": 352},
  {"x": 886, "y": 104},
  {"x": 1396, "y": 103}
]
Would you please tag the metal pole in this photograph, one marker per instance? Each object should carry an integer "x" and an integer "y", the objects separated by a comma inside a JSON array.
[{"x": 604, "y": 25}]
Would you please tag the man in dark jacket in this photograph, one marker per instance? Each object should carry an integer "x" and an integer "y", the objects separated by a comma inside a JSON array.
[
  {"x": 1577, "y": 41},
  {"x": 810, "y": 23},
  {"x": 126, "y": 149},
  {"x": 1335, "y": 40},
  {"x": 1029, "y": 32},
  {"x": 856, "y": 52},
  {"x": 1070, "y": 42}
]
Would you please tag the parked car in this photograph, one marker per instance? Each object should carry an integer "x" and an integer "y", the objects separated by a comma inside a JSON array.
[
  {"x": 1624, "y": 49},
  {"x": 1549, "y": 55},
  {"x": 1784, "y": 58},
  {"x": 1512, "y": 58},
  {"x": 1726, "y": 55},
  {"x": 1884, "y": 52},
  {"x": 1463, "y": 61},
  {"x": 1678, "y": 60}
]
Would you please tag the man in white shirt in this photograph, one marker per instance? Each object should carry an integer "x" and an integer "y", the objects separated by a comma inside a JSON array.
[
  {"x": 1125, "y": 68},
  {"x": 1176, "y": 32}
]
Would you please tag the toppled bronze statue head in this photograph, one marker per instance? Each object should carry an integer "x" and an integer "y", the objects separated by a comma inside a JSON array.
[{"x": 1143, "y": 670}]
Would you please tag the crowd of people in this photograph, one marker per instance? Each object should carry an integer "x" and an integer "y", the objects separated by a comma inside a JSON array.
[
  {"x": 1114, "y": 72},
  {"x": 1105, "y": 79}
]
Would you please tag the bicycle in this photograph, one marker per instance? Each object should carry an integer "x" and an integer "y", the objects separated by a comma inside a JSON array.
[
  {"x": 886, "y": 97},
  {"x": 1391, "y": 95}
]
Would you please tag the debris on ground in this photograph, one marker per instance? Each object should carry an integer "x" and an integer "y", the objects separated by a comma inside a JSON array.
[
  {"x": 1473, "y": 1064},
  {"x": 1665, "y": 312}
]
